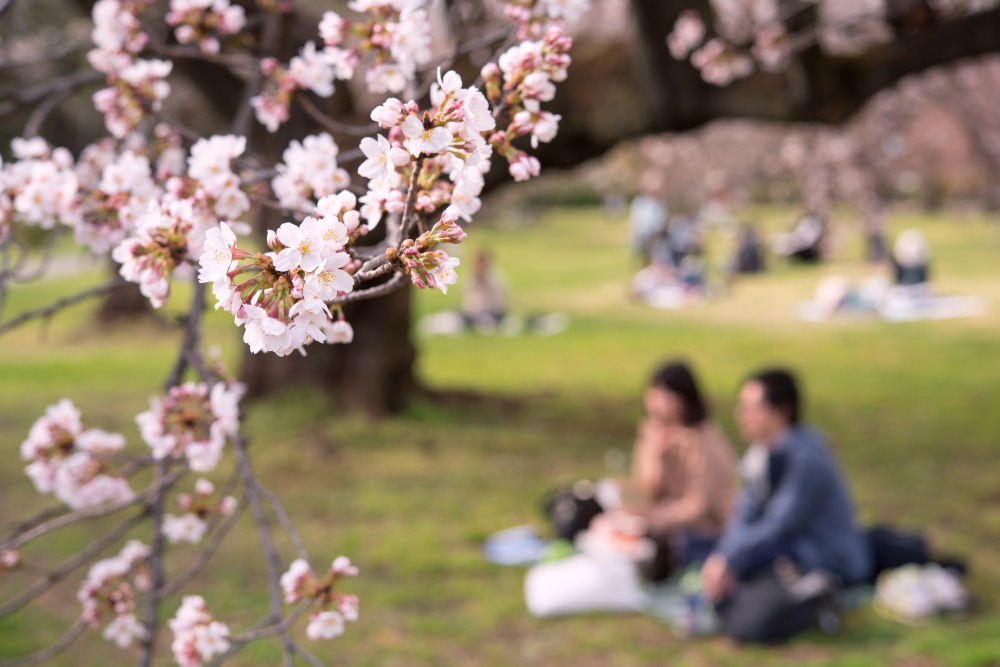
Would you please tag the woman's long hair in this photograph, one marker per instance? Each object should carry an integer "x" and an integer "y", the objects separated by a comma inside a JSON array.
[{"x": 678, "y": 379}]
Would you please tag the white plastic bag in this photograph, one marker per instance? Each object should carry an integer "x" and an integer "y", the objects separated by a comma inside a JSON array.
[{"x": 582, "y": 583}]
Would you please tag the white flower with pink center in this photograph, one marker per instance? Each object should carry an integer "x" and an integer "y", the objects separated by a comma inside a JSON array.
[
  {"x": 294, "y": 580},
  {"x": 197, "y": 636},
  {"x": 217, "y": 258},
  {"x": 325, "y": 625},
  {"x": 184, "y": 528},
  {"x": 330, "y": 279},
  {"x": 424, "y": 140},
  {"x": 303, "y": 246},
  {"x": 310, "y": 69},
  {"x": 383, "y": 158}
]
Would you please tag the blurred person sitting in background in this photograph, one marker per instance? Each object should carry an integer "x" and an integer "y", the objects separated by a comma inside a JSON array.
[
  {"x": 793, "y": 538},
  {"x": 911, "y": 262},
  {"x": 683, "y": 476},
  {"x": 484, "y": 298}
]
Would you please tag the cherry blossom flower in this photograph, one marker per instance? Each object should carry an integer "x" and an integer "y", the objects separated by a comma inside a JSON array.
[
  {"x": 383, "y": 158},
  {"x": 112, "y": 585},
  {"x": 217, "y": 259},
  {"x": 304, "y": 246},
  {"x": 325, "y": 625},
  {"x": 197, "y": 637},
  {"x": 687, "y": 35},
  {"x": 192, "y": 421},
  {"x": 424, "y": 140},
  {"x": 124, "y": 630},
  {"x": 184, "y": 528}
]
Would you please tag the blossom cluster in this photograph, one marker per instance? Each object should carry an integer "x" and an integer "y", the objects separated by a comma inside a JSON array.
[
  {"x": 111, "y": 586},
  {"x": 536, "y": 17},
  {"x": 523, "y": 77},
  {"x": 300, "y": 583},
  {"x": 720, "y": 62},
  {"x": 308, "y": 171},
  {"x": 204, "y": 21},
  {"x": 72, "y": 463},
  {"x": 193, "y": 422},
  {"x": 394, "y": 37},
  {"x": 169, "y": 233},
  {"x": 197, "y": 636},
  {"x": 280, "y": 297},
  {"x": 192, "y": 525},
  {"x": 39, "y": 188},
  {"x": 137, "y": 86}
]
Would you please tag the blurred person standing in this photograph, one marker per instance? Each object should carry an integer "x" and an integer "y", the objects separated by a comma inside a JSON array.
[{"x": 647, "y": 215}]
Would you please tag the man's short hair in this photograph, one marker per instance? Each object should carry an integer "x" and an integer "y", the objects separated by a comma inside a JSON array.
[{"x": 781, "y": 391}]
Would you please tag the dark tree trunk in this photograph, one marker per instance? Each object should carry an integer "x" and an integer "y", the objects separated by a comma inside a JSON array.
[
  {"x": 374, "y": 374},
  {"x": 122, "y": 304}
]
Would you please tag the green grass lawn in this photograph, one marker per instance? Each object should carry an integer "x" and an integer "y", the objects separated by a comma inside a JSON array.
[{"x": 910, "y": 410}]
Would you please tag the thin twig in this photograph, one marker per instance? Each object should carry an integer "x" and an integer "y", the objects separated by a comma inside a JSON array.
[
  {"x": 285, "y": 521},
  {"x": 391, "y": 285},
  {"x": 19, "y": 98},
  {"x": 152, "y": 612},
  {"x": 206, "y": 553},
  {"x": 92, "y": 512},
  {"x": 55, "y": 307},
  {"x": 48, "y": 55},
  {"x": 61, "y": 645},
  {"x": 270, "y": 33},
  {"x": 267, "y": 544},
  {"x": 308, "y": 657},
  {"x": 332, "y": 124},
  {"x": 70, "y": 564}
]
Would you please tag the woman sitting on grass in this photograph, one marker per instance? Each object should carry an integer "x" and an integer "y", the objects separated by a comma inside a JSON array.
[{"x": 683, "y": 475}]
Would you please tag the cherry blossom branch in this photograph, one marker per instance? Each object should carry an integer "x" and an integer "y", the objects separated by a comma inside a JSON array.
[
  {"x": 55, "y": 649},
  {"x": 55, "y": 307},
  {"x": 262, "y": 631},
  {"x": 158, "y": 487},
  {"x": 206, "y": 553},
  {"x": 332, "y": 124},
  {"x": 270, "y": 33},
  {"x": 286, "y": 523},
  {"x": 152, "y": 611},
  {"x": 17, "y": 99},
  {"x": 307, "y": 656},
  {"x": 252, "y": 495},
  {"x": 409, "y": 207},
  {"x": 71, "y": 564},
  {"x": 48, "y": 55},
  {"x": 391, "y": 285},
  {"x": 43, "y": 110}
]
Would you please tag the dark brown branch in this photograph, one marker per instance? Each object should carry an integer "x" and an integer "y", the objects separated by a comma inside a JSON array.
[{"x": 391, "y": 285}]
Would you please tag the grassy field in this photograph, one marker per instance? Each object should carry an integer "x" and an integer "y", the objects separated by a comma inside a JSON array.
[{"x": 910, "y": 410}]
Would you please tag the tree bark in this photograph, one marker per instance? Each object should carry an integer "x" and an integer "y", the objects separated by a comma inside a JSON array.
[{"x": 374, "y": 374}]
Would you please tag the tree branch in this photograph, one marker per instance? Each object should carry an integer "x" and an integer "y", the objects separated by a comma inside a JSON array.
[
  {"x": 55, "y": 649},
  {"x": 55, "y": 307},
  {"x": 70, "y": 564}
]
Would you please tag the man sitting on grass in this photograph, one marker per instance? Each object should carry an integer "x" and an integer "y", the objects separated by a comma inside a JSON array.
[{"x": 793, "y": 537}]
